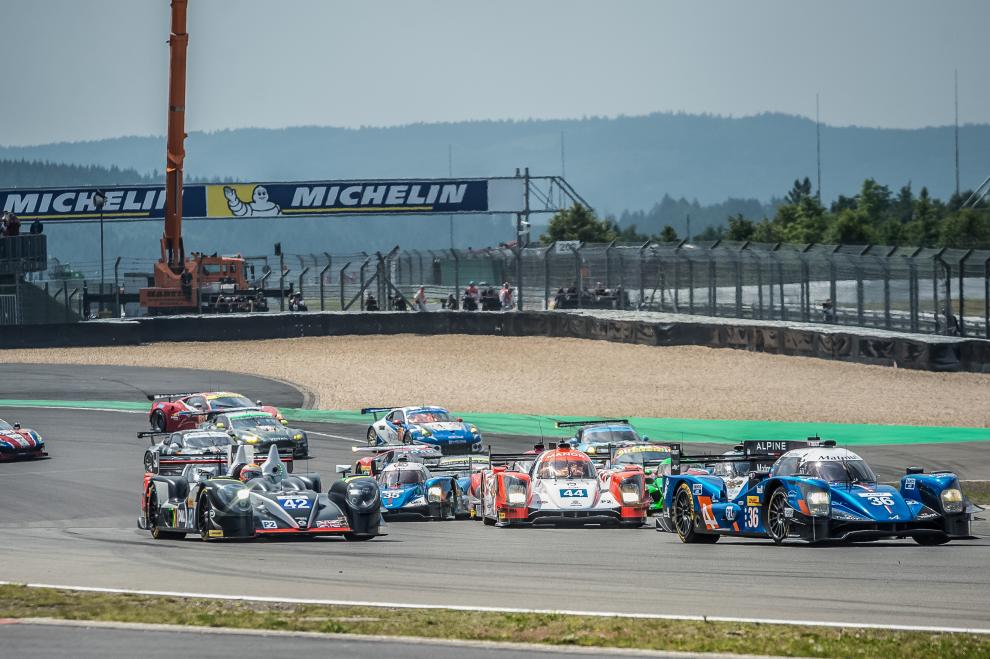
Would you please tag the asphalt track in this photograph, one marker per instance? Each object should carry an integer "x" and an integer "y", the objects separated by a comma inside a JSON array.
[{"x": 71, "y": 520}]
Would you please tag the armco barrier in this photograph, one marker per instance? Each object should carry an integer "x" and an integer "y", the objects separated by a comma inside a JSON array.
[{"x": 903, "y": 350}]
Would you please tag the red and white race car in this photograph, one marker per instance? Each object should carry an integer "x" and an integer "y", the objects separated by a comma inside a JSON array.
[
  {"x": 183, "y": 411},
  {"x": 561, "y": 486},
  {"x": 17, "y": 442}
]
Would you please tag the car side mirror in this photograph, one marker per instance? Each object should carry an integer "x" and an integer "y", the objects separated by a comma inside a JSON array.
[
  {"x": 915, "y": 470},
  {"x": 343, "y": 469},
  {"x": 258, "y": 403}
]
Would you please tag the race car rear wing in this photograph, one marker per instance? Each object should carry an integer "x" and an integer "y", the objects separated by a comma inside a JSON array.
[
  {"x": 375, "y": 411},
  {"x": 761, "y": 452},
  {"x": 467, "y": 463},
  {"x": 592, "y": 422},
  {"x": 170, "y": 397},
  {"x": 427, "y": 450},
  {"x": 209, "y": 414},
  {"x": 151, "y": 434}
]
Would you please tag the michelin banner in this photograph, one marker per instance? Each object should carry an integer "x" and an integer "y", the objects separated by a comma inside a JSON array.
[{"x": 244, "y": 200}]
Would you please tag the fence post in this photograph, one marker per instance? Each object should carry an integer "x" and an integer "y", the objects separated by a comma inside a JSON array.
[
  {"x": 546, "y": 275},
  {"x": 947, "y": 305},
  {"x": 578, "y": 275},
  {"x": 608, "y": 264},
  {"x": 780, "y": 281},
  {"x": 301, "y": 275},
  {"x": 986, "y": 299},
  {"x": 116, "y": 288},
  {"x": 833, "y": 293},
  {"x": 47, "y": 306},
  {"x": 519, "y": 274},
  {"x": 885, "y": 263},
  {"x": 362, "y": 282},
  {"x": 739, "y": 257},
  {"x": 759, "y": 286},
  {"x": 962, "y": 297},
  {"x": 341, "y": 278},
  {"x": 457, "y": 272},
  {"x": 281, "y": 282},
  {"x": 642, "y": 274}
]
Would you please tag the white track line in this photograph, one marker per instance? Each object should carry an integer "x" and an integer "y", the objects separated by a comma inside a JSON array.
[
  {"x": 78, "y": 409},
  {"x": 371, "y": 638},
  {"x": 326, "y": 434},
  {"x": 501, "y": 609}
]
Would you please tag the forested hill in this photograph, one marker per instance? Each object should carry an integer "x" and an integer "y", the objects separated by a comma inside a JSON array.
[
  {"x": 37, "y": 174},
  {"x": 617, "y": 164}
]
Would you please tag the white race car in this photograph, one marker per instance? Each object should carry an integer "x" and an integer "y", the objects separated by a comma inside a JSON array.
[
  {"x": 422, "y": 424},
  {"x": 560, "y": 486}
]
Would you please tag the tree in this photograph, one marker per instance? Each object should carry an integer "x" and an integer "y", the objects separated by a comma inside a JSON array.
[
  {"x": 579, "y": 223},
  {"x": 740, "y": 228},
  {"x": 874, "y": 201},
  {"x": 923, "y": 229},
  {"x": 668, "y": 235},
  {"x": 967, "y": 229},
  {"x": 800, "y": 190},
  {"x": 850, "y": 228}
]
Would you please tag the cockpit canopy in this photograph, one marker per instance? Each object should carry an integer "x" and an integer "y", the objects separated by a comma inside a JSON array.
[
  {"x": 396, "y": 477},
  {"x": 564, "y": 465}
]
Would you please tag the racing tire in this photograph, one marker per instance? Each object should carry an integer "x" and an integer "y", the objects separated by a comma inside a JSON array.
[
  {"x": 158, "y": 421},
  {"x": 149, "y": 461},
  {"x": 203, "y": 509},
  {"x": 682, "y": 517},
  {"x": 358, "y": 537},
  {"x": 777, "y": 523},
  {"x": 931, "y": 540},
  {"x": 372, "y": 437},
  {"x": 151, "y": 511}
]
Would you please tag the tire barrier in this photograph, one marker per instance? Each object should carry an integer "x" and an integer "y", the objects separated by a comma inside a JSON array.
[{"x": 904, "y": 351}]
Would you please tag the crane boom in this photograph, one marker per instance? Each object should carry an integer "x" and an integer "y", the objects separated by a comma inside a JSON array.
[{"x": 172, "y": 251}]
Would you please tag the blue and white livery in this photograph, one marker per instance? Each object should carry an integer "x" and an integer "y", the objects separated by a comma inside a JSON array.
[{"x": 423, "y": 424}]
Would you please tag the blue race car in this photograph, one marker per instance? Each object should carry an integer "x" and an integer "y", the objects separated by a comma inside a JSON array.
[
  {"x": 425, "y": 424},
  {"x": 602, "y": 435},
  {"x": 813, "y": 491},
  {"x": 411, "y": 489}
]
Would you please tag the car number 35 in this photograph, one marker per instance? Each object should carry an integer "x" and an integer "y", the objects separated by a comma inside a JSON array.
[{"x": 292, "y": 503}]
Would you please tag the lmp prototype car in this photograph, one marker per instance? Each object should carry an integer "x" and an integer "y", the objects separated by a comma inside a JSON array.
[
  {"x": 259, "y": 429},
  {"x": 175, "y": 449},
  {"x": 413, "y": 489},
  {"x": 815, "y": 492},
  {"x": 560, "y": 486},
  {"x": 17, "y": 443},
  {"x": 248, "y": 501},
  {"x": 375, "y": 458},
  {"x": 170, "y": 412},
  {"x": 599, "y": 437},
  {"x": 426, "y": 424}
]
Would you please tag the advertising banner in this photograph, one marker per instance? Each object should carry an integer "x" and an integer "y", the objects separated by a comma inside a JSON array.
[{"x": 260, "y": 199}]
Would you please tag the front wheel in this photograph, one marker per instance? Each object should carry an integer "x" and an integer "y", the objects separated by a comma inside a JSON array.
[
  {"x": 358, "y": 537},
  {"x": 158, "y": 421},
  {"x": 151, "y": 514},
  {"x": 149, "y": 461},
  {"x": 372, "y": 437},
  {"x": 203, "y": 518},
  {"x": 683, "y": 518},
  {"x": 931, "y": 540},
  {"x": 778, "y": 523}
]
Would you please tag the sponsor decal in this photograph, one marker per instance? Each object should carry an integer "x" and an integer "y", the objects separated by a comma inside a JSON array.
[
  {"x": 268, "y": 524},
  {"x": 339, "y": 523},
  {"x": 293, "y": 503},
  {"x": 759, "y": 489},
  {"x": 574, "y": 492},
  {"x": 214, "y": 533},
  {"x": 788, "y": 512},
  {"x": 752, "y": 518},
  {"x": 909, "y": 483},
  {"x": 697, "y": 488},
  {"x": 752, "y": 501}
]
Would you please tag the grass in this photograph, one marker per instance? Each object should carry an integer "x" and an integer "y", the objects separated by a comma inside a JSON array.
[
  {"x": 562, "y": 630},
  {"x": 977, "y": 491}
]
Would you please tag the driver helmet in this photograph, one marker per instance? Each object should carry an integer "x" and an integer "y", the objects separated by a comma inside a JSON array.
[{"x": 250, "y": 471}]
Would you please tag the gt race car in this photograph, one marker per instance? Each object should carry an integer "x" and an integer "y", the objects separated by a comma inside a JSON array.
[
  {"x": 259, "y": 429},
  {"x": 375, "y": 458},
  {"x": 179, "y": 411},
  {"x": 560, "y": 486},
  {"x": 813, "y": 491},
  {"x": 18, "y": 443},
  {"x": 224, "y": 498},
  {"x": 426, "y": 424},
  {"x": 175, "y": 449},
  {"x": 599, "y": 436}
]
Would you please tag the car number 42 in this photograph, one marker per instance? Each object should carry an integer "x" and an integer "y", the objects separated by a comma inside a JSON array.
[{"x": 292, "y": 503}]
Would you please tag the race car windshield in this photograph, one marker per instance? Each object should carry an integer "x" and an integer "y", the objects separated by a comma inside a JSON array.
[
  {"x": 432, "y": 416},
  {"x": 227, "y": 402},
  {"x": 565, "y": 468},
  {"x": 839, "y": 471},
  {"x": 253, "y": 422},
  {"x": 404, "y": 477},
  {"x": 207, "y": 441},
  {"x": 641, "y": 457},
  {"x": 731, "y": 469},
  {"x": 5, "y": 426},
  {"x": 614, "y": 436}
]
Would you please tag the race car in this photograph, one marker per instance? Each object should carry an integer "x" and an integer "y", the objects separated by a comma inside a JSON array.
[
  {"x": 425, "y": 424},
  {"x": 412, "y": 489},
  {"x": 375, "y": 458},
  {"x": 17, "y": 443},
  {"x": 223, "y": 498},
  {"x": 259, "y": 429},
  {"x": 175, "y": 449},
  {"x": 813, "y": 491},
  {"x": 599, "y": 436},
  {"x": 560, "y": 486},
  {"x": 170, "y": 412}
]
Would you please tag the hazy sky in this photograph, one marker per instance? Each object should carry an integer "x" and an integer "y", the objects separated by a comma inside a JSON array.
[{"x": 83, "y": 69}]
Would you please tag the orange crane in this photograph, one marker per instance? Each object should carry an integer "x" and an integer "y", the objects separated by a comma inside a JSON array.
[{"x": 185, "y": 285}]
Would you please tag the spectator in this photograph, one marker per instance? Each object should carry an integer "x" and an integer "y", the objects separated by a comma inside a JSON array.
[
  {"x": 36, "y": 227},
  {"x": 600, "y": 289},
  {"x": 472, "y": 290},
  {"x": 185, "y": 281},
  {"x": 370, "y": 303},
  {"x": 505, "y": 296},
  {"x": 828, "y": 311},
  {"x": 419, "y": 302},
  {"x": 451, "y": 303},
  {"x": 399, "y": 302},
  {"x": 3, "y": 224}
]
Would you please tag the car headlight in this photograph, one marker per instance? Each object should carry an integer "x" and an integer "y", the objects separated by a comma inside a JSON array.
[
  {"x": 284, "y": 421},
  {"x": 434, "y": 494},
  {"x": 952, "y": 500},
  {"x": 251, "y": 439},
  {"x": 425, "y": 432},
  {"x": 298, "y": 437},
  {"x": 243, "y": 498},
  {"x": 474, "y": 430},
  {"x": 515, "y": 492},
  {"x": 819, "y": 502},
  {"x": 630, "y": 491},
  {"x": 362, "y": 494}
]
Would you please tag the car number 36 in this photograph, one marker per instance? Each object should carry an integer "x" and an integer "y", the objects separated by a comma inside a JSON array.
[{"x": 881, "y": 501}]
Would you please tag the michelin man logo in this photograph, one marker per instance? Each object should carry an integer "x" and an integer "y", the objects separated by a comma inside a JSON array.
[{"x": 259, "y": 206}]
